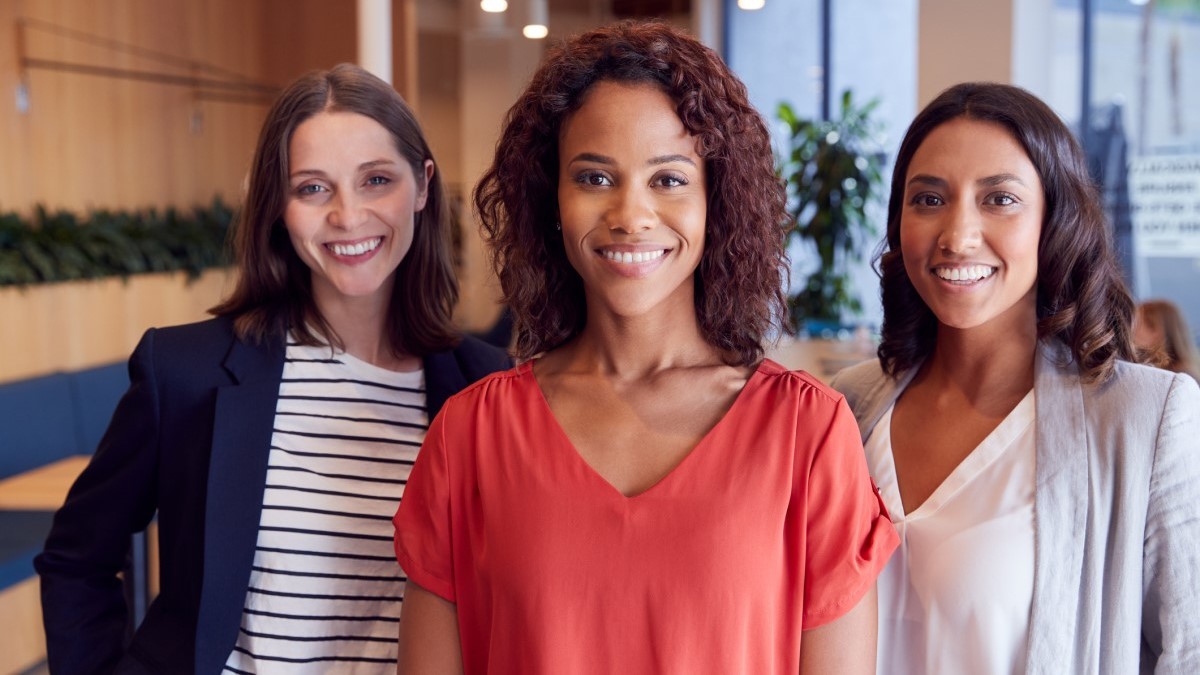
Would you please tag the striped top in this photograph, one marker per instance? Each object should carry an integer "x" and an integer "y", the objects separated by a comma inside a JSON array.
[{"x": 325, "y": 589}]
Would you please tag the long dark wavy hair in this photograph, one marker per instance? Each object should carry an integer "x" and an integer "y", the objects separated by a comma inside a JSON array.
[
  {"x": 274, "y": 287},
  {"x": 1082, "y": 299},
  {"x": 740, "y": 280}
]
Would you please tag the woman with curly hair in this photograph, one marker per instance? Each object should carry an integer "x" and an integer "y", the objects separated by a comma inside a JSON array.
[
  {"x": 1044, "y": 487},
  {"x": 649, "y": 494}
]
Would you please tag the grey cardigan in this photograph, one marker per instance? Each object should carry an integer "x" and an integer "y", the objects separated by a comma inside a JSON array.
[{"x": 1117, "y": 512}]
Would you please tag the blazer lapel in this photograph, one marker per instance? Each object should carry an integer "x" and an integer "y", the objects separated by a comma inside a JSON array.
[
  {"x": 881, "y": 397},
  {"x": 242, "y": 428},
  {"x": 1060, "y": 511}
]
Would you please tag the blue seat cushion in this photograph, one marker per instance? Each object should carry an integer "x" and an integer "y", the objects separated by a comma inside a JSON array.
[
  {"x": 37, "y": 423},
  {"x": 95, "y": 393}
]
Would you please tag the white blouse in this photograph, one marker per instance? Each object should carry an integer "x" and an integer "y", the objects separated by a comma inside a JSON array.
[{"x": 955, "y": 596}]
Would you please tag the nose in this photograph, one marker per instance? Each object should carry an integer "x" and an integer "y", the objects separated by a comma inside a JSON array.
[
  {"x": 347, "y": 210},
  {"x": 961, "y": 230},
  {"x": 630, "y": 211}
]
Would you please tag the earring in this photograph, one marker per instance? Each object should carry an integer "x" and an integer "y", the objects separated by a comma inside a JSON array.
[{"x": 558, "y": 226}]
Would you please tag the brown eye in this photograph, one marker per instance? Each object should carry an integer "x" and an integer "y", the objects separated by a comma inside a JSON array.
[{"x": 926, "y": 199}]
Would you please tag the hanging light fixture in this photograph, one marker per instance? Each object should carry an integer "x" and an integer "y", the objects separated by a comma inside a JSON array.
[
  {"x": 493, "y": 6},
  {"x": 536, "y": 27},
  {"x": 751, "y": 4}
]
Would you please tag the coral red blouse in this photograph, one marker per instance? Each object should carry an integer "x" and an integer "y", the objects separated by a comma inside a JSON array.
[{"x": 770, "y": 526}]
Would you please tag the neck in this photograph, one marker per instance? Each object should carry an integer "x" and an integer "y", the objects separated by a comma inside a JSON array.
[
  {"x": 361, "y": 325},
  {"x": 640, "y": 346},
  {"x": 984, "y": 363}
]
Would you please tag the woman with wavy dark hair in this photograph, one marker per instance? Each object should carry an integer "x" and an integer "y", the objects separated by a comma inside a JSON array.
[
  {"x": 273, "y": 441},
  {"x": 648, "y": 494},
  {"x": 1044, "y": 486}
]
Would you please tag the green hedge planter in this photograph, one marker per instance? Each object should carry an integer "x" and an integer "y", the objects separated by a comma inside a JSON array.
[{"x": 63, "y": 246}]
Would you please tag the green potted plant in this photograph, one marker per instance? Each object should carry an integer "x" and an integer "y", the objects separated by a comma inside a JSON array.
[{"x": 833, "y": 172}]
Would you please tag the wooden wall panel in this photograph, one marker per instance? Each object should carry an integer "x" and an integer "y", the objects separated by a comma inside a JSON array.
[
  {"x": 91, "y": 141},
  {"x": 306, "y": 35}
]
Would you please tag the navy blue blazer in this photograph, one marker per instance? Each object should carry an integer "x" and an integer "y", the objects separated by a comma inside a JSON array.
[{"x": 188, "y": 441}]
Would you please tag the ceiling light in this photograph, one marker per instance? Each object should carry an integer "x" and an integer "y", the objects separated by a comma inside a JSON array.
[
  {"x": 535, "y": 28},
  {"x": 493, "y": 6},
  {"x": 751, "y": 4}
]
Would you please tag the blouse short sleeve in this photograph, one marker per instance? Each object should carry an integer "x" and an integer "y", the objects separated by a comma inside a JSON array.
[
  {"x": 423, "y": 522},
  {"x": 849, "y": 536}
]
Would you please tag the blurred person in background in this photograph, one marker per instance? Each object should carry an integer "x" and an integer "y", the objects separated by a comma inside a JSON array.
[{"x": 1159, "y": 327}]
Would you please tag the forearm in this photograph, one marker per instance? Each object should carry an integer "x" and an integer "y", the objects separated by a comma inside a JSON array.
[{"x": 429, "y": 642}]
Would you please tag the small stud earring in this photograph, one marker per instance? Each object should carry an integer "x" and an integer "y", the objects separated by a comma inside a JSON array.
[{"x": 558, "y": 226}]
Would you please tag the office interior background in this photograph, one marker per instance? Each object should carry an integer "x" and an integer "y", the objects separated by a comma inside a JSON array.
[{"x": 123, "y": 105}]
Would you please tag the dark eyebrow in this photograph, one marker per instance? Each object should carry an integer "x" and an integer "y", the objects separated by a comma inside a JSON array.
[
  {"x": 989, "y": 181},
  {"x": 667, "y": 159},
  {"x": 591, "y": 157},
  {"x": 601, "y": 159},
  {"x": 365, "y": 166},
  {"x": 1000, "y": 179},
  {"x": 374, "y": 163},
  {"x": 306, "y": 172},
  {"x": 925, "y": 179}
]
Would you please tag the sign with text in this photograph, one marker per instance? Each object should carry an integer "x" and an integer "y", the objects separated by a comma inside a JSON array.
[{"x": 1164, "y": 194}]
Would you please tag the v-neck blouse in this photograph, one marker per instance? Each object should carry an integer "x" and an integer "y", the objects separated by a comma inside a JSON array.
[
  {"x": 956, "y": 596},
  {"x": 769, "y": 526}
]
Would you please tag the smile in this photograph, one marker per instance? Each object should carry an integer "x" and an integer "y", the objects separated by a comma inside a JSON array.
[
  {"x": 633, "y": 258},
  {"x": 361, "y": 248},
  {"x": 966, "y": 274}
]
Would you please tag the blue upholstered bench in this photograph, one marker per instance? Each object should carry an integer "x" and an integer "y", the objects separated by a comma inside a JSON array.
[{"x": 42, "y": 420}]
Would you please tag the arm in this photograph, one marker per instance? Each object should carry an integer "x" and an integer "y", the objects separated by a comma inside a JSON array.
[
  {"x": 1171, "y": 554},
  {"x": 429, "y": 642},
  {"x": 83, "y": 606},
  {"x": 844, "y": 646}
]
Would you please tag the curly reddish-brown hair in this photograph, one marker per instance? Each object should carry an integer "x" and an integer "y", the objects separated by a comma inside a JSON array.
[
  {"x": 742, "y": 272},
  {"x": 1082, "y": 299}
]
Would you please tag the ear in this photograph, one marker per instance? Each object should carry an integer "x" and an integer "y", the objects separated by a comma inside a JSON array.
[{"x": 424, "y": 193}]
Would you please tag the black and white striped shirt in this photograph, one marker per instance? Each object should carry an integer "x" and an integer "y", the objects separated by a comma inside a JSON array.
[{"x": 325, "y": 589}]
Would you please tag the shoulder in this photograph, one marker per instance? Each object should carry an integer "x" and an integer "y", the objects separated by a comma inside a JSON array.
[
  {"x": 856, "y": 381},
  {"x": 204, "y": 347},
  {"x": 1136, "y": 389},
  {"x": 190, "y": 342},
  {"x": 796, "y": 383},
  {"x": 494, "y": 387}
]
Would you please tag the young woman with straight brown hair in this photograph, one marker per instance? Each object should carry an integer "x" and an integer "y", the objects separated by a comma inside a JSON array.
[{"x": 273, "y": 441}]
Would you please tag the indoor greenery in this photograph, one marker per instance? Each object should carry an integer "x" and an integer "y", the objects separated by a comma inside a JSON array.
[
  {"x": 833, "y": 172},
  {"x": 60, "y": 245}
]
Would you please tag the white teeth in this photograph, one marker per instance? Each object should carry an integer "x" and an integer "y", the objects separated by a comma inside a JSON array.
[
  {"x": 634, "y": 258},
  {"x": 968, "y": 273},
  {"x": 356, "y": 249}
]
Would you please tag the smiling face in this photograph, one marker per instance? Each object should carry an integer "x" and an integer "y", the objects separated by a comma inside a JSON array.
[
  {"x": 970, "y": 225},
  {"x": 632, "y": 200},
  {"x": 351, "y": 202}
]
